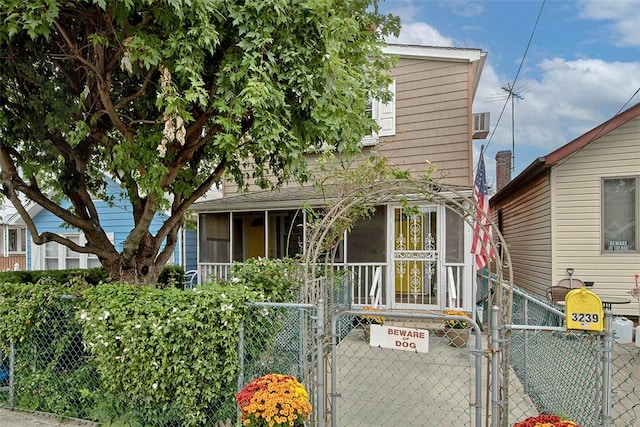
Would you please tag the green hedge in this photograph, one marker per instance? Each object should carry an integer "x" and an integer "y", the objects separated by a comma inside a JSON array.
[
  {"x": 132, "y": 355},
  {"x": 91, "y": 276},
  {"x": 171, "y": 275}
]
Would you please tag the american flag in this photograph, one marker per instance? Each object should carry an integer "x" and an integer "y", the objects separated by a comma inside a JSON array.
[{"x": 481, "y": 246}]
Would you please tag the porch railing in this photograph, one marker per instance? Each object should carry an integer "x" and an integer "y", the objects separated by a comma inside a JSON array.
[
  {"x": 368, "y": 281},
  {"x": 211, "y": 271}
]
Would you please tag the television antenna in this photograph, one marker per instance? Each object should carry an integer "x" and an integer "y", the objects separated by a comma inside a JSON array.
[{"x": 512, "y": 94}]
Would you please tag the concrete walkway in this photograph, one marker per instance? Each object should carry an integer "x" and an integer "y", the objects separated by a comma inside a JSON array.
[
  {"x": 380, "y": 387},
  {"x": 9, "y": 418}
]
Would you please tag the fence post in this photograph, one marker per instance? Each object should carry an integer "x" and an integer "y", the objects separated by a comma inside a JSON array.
[
  {"x": 320, "y": 362},
  {"x": 12, "y": 374},
  {"x": 496, "y": 409},
  {"x": 526, "y": 345},
  {"x": 607, "y": 371},
  {"x": 241, "y": 371}
]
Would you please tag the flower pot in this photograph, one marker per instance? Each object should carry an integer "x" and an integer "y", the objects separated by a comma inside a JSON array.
[{"x": 458, "y": 337}]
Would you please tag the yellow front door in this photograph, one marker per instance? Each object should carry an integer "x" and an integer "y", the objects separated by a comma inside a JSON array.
[
  {"x": 415, "y": 258},
  {"x": 254, "y": 227}
]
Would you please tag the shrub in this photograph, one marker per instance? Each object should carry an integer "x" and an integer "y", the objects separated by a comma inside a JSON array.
[
  {"x": 156, "y": 356},
  {"x": 277, "y": 280},
  {"x": 171, "y": 276},
  {"x": 170, "y": 348},
  {"x": 70, "y": 277}
]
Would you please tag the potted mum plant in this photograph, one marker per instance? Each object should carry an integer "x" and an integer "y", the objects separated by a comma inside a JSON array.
[
  {"x": 546, "y": 420},
  {"x": 274, "y": 400},
  {"x": 456, "y": 330}
]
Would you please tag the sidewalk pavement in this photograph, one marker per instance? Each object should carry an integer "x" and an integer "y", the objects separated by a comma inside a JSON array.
[{"x": 9, "y": 418}]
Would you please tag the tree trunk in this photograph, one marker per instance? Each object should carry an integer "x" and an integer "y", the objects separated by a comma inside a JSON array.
[{"x": 139, "y": 271}]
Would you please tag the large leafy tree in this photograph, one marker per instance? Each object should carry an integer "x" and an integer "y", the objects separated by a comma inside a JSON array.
[{"x": 166, "y": 97}]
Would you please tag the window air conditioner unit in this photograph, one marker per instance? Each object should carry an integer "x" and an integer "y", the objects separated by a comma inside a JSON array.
[{"x": 480, "y": 125}]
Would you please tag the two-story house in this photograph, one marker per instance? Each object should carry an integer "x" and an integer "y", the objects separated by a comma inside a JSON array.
[{"x": 397, "y": 260}]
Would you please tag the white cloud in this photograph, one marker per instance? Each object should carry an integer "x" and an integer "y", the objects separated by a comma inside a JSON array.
[
  {"x": 583, "y": 93},
  {"x": 570, "y": 98},
  {"x": 420, "y": 33},
  {"x": 575, "y": 96},
  {"x": 623, "y": 14},
  {"x": 563, "y": 96}
]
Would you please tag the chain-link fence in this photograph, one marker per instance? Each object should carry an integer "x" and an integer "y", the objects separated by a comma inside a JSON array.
[
  {"x": 564, "y": 372},
  {"x": 52, "y": 371},
  {"x": 279, "y": 338},
  {"x": 552, "y": 370},
  {"x": 375, "y": 383}
]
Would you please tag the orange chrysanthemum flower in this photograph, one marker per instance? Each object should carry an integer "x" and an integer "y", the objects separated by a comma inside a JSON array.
[
  {"x": 274, "y": 400},
  {"x": 545, "y": 420}
]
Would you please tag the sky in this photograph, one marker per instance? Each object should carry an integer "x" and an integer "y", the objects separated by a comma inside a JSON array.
[{"x": 573, "y": 63}]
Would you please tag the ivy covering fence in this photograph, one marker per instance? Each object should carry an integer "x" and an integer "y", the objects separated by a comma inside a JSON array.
[{"x": 129, "y": 355}]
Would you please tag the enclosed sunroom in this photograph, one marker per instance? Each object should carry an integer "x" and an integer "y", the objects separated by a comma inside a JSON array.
[{"x": 399, "y": 259}]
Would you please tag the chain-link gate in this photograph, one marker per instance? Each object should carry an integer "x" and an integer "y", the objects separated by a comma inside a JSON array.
[
  {"x": 582, "y": 375},
  {"x": 410, "y": 370},
  {"x": 341, "y": 214}
]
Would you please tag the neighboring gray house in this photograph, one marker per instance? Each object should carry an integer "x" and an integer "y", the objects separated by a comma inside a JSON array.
[
  {"x": 396, "y": 260},
  {"x": 578, "y": 208}
]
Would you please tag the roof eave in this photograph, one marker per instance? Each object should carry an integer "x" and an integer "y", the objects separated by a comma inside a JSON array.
[
  {"x": 543, "y": 164},
  {"x": 435, "y": 52},
  {"x": 534, "y": 170}
]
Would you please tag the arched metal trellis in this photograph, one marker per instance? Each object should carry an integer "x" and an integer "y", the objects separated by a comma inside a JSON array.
[{"x": 345, "y": 207}]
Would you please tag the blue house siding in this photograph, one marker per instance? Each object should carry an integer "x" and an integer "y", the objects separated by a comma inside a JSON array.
[
  {"x": 116, "y": 219},
  {"x": 190, "y": 250}
]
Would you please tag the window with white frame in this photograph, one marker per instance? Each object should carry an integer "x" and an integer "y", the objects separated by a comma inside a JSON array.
[
  {"x": 60, "y": 257},
  {"x": 384, "y": 114},
  {"x": 620, "y": 214},
  {"x": 17, "y": 240}
]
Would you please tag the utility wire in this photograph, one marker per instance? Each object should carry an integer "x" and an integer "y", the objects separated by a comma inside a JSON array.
[
  {"x": 604, "y": 125},
  {"x": 516, "y": 77}
]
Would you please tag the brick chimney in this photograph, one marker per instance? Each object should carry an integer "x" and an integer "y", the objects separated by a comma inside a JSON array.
[{"x": 503, "y": 169}]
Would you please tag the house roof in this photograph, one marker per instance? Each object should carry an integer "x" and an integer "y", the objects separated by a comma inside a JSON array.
[
  {"x": 543, "y": 164},
  {"x": 296, "y": 197},
  {"x": 434, "y": 52},
  {"x": 7, "y": 211},
  {"x": 286, "y": 198},
  {"x": 475, "y": 57}
]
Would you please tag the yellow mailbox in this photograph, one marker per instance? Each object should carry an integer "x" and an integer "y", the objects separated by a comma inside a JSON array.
[{"x": 584, "y": 310}]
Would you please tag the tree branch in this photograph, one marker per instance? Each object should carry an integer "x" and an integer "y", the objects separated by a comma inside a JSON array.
[
  {"x": 178, "y": 210},
  {"x": 145, "y": 85}
]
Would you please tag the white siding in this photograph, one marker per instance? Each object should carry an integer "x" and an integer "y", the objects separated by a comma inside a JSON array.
[{"x": 577, "y": 212}]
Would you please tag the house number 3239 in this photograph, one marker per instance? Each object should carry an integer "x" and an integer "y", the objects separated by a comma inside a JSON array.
[{"x": 585, "y": 317}]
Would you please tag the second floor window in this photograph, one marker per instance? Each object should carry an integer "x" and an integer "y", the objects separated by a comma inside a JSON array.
[{"x": 384, "y": 114}]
